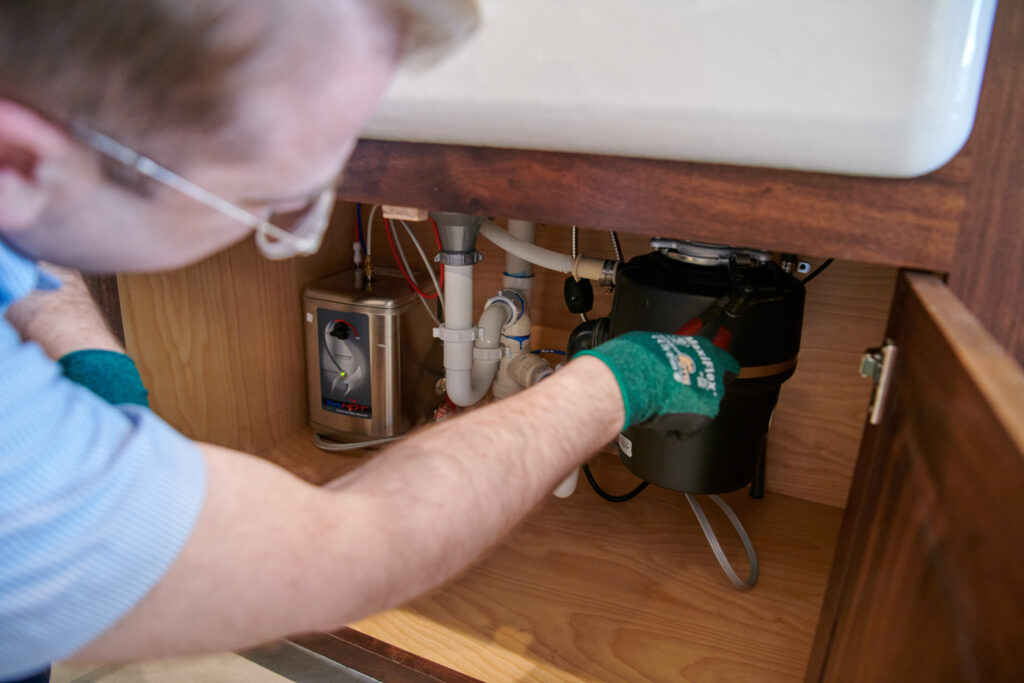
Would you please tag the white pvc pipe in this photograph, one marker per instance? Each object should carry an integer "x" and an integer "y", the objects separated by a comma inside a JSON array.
[
  {"x": 458, "y": 294},
  {"x": 568, "y": 485},
  {"x": 466, "y": 379},
  {"x": 527, "y": 369},
  {"x": 467, "y": 387},
  {"x": 518, "y": 277},
  {"x": 492, "y": 320},
  {"x": 518, "y": 271}
]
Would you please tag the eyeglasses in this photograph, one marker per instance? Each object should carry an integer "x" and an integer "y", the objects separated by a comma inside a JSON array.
[{"x": 309, "y": 223}]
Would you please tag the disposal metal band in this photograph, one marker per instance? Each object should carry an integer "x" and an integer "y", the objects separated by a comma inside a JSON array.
[{"x": 757, "y": 371}]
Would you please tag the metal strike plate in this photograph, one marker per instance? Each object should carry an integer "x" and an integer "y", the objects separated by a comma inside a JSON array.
[{"x": 877, "y": 365}]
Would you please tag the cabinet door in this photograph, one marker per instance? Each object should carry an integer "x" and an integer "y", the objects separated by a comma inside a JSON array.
[{"x": 928, "y": 582}]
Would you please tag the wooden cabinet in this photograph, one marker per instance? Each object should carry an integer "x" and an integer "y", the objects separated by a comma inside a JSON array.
[
  {"x": 925, "y": 582},
  {"x": 585, "y": 590}
]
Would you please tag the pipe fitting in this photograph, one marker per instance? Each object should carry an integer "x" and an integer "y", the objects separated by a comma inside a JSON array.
[
  {"x": 602, "y": 271},
  {"x": 458, "y": 232},
  {"x": 513, "y": 300},
  {"x": 459, "y": 258},
  {"x": 528, "y": 369},
  {"x": 472, "y": 356}
]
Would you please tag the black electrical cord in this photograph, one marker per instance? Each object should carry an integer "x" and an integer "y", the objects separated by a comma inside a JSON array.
[
  {"x": 607, "y": 496},
  {"x": 818, "y": 271}
]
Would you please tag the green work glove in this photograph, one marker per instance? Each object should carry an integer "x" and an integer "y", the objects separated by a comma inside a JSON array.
[{"x": 668, "y": 382}]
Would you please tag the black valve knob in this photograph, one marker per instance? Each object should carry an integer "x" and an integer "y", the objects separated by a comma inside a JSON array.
[
  {"x": 340, "y": 331},
  {"x": 579, "y": 295}
]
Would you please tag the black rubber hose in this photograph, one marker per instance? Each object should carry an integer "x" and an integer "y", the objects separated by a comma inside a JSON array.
[
  {"x": 609, "y": 497},
  {"x": 818, "y": 271}
]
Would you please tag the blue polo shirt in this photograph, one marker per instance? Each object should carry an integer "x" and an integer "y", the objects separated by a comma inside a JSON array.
[{"x": 96, "y": 501}]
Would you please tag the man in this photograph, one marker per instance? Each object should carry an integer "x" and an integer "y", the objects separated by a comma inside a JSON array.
[{"x": 119, "y": 538}]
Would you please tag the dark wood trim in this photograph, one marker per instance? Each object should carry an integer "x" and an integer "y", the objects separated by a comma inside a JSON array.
[
  {"x": 862, "y": 499},
  {"x": 107, "y": 297},
  {"x": 897, "y": 222},
  {"x": 924, "y": 584},
  {"x": 378, "y": 659},
  {"x": 988, "y": 273}
]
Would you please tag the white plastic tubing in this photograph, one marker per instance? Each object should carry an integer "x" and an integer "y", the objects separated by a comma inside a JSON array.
[
  {"x": 580, "y": 267},
  {"x": 518, "y": 271},
  {"x": 466, "y": 379},
  {"x": 527, "y": 251}
]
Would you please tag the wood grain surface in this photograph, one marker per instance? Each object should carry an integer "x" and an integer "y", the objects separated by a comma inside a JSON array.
[
  {"x": 874, "y": 220},
  {"x": 103, "y": 289},
  {"x": 988, "y": 274},
  {"x": 592, "y": 591},
  {"x": 927, "y": 573},
  {"x": 219, "y": 344}
]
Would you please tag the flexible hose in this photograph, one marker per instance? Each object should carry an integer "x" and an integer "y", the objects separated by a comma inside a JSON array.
[
  {"x": 335, "y": 447},
  {"x": 369, "y": 230},
  {"x": 611, "y": 498},
  {"x": 407, "y": 271},
  {"x": 359, "y": 226},
  {"x": 575, "y": 252},
  {"x": 716, "y": 546},
  {"x": 426, "y": 263},
  {"x": 403, "y": 266},
  {"x": 539, "y": 256},
  {"x": 818, "y": 271}
]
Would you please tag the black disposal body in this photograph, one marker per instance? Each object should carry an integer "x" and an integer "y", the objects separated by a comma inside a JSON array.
[{"x": 662, "y": 291}]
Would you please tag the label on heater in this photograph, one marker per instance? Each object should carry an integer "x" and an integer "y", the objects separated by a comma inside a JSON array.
[
  {"x": 626, "y": 445},
  {"x": 344, "y": 355},
  {"x": 350, "y": 408}
]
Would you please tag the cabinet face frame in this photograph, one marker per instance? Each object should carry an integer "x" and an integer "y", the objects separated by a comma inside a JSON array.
[
  {"x": 924, "y": 585},
  {"x": 811, "y": 213}
]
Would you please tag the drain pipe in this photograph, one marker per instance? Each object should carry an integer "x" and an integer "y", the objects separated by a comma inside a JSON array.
[
  {"x": 518, "y": 289},
  {"x": 519, "y": 271},
  {"x": 470, "y": 362}
]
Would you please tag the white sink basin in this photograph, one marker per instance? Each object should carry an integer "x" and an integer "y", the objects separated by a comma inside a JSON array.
[{"x": 872, "y": 87}]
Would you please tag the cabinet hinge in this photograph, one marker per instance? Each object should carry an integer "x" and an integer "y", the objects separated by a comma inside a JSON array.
[{"x": 877, "y": 365}]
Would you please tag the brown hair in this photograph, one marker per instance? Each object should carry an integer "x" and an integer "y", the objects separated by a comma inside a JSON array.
[
  {"x": 137, "y": 68},
  {"x": 129, "y": 66}
]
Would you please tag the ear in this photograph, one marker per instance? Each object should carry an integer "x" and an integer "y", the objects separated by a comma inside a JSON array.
[{"x": 28, "y": 143}]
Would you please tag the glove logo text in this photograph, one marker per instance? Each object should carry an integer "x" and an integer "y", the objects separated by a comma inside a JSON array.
[{"x": 683, "y": 365}]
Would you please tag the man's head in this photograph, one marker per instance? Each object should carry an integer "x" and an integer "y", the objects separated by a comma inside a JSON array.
[{"x": 258, "y": 101}]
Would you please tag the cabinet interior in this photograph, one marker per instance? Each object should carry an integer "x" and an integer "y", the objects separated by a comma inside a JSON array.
[{"x": 584, "y": 589}]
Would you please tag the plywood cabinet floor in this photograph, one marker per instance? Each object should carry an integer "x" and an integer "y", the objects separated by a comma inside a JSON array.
[{"x": 595, "y": 591}]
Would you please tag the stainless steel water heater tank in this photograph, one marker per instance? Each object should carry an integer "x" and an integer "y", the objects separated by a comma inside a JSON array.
[{"x": 372, "y": 362}]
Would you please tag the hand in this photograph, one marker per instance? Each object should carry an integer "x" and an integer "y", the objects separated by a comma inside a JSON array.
[
  {"x": 64, "y": 320},
  {"x": 668, "y": 382}
]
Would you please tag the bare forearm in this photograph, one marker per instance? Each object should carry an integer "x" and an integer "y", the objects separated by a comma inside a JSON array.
[
  {"x": 63, "y": 321},
  {"x": 272, "y": 556},
  {"x": 455, "y": 490}
]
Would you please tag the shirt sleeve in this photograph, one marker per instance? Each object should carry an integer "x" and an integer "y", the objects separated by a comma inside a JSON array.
[{"x": 96, "y": 502}]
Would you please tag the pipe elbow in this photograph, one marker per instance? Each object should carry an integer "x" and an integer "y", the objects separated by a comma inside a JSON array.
[
  {"x": 496, "y": 315},
  {"x": 467, "y": 386}
]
